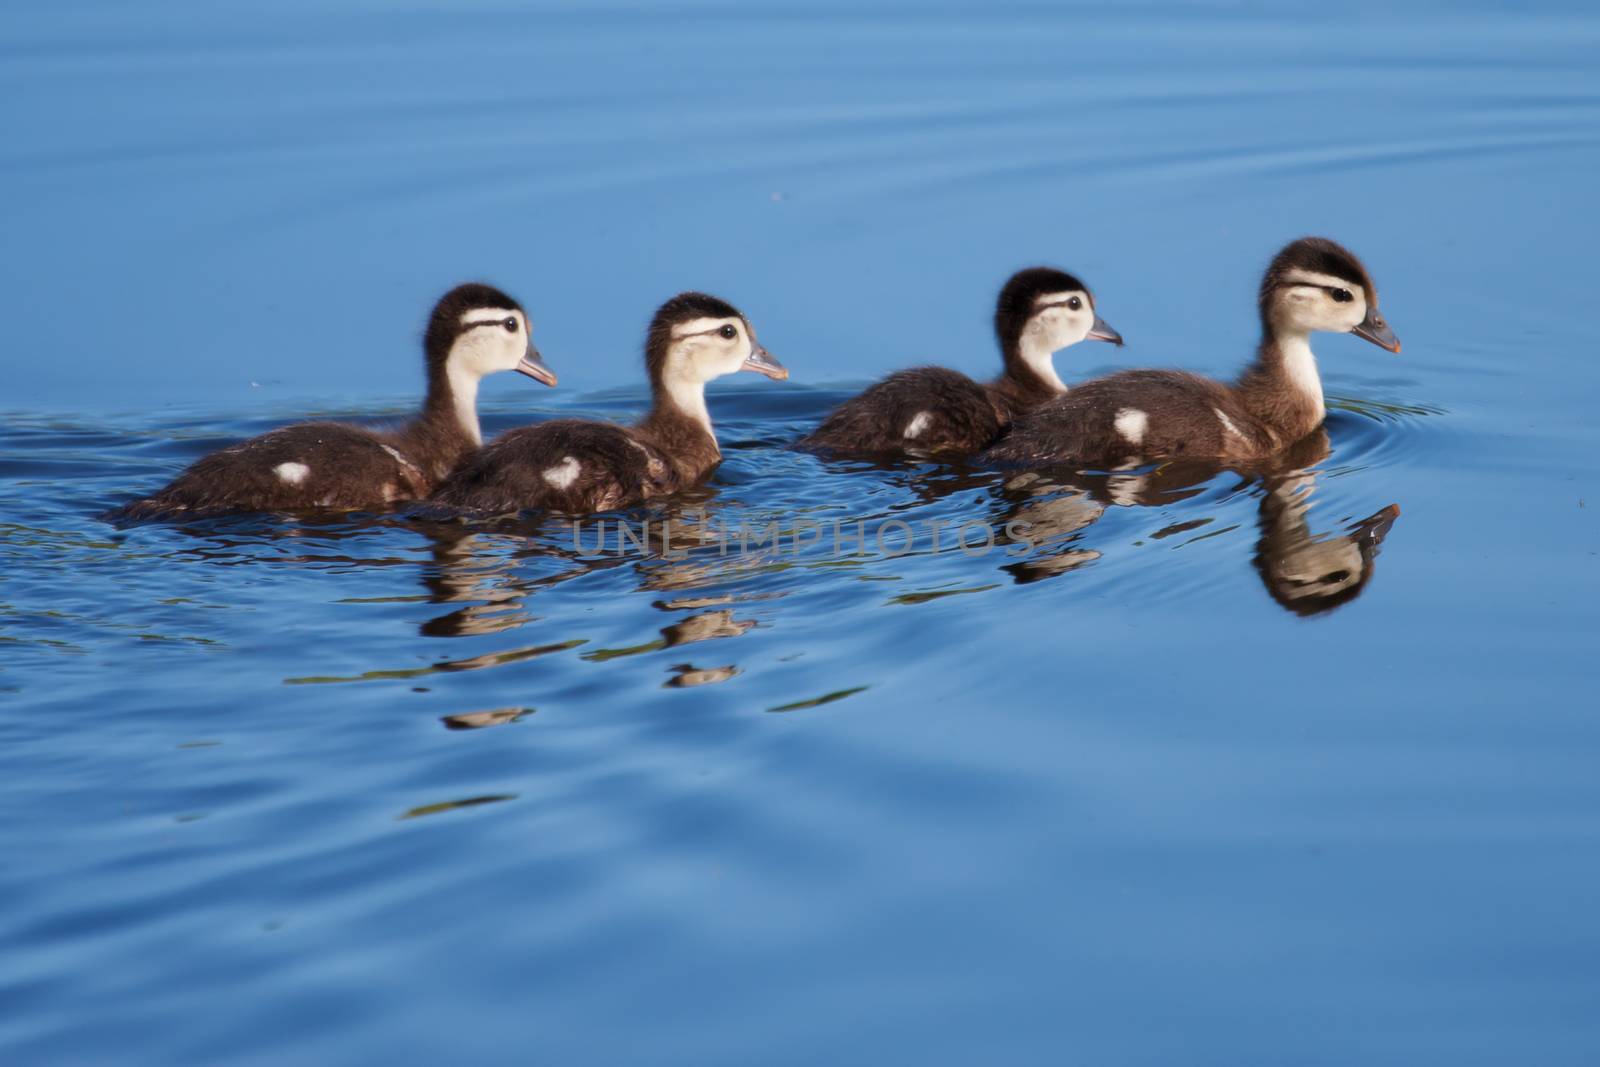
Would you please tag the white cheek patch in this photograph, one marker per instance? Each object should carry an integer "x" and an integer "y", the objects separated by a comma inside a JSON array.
[
  {"x": 918, "y": 423},
  {"x": 563, "y": 474},
  {"x": 1058, "y": 324},
  {"x": 1228, "y": 428},
  {"x": 1131, "y": 423},
  {"x": 486, "y": 346},
  {"x": 292, "y": 473},
  {"x": 1324, "y": 312}
]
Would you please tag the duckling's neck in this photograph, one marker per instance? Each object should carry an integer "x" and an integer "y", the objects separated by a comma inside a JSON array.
[
  {"x": 682, "y": 400},
  {"x": 1031, "y": 369},
  {"x": 463, "y": 387},
  {"x": 680, "y": 426},
  {"x": 1282, "y": 387},
  {"x": 448, "y": 428}
]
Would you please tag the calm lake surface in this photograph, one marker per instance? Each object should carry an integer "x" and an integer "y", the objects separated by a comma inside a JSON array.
[{"x": 369, "y": 788}]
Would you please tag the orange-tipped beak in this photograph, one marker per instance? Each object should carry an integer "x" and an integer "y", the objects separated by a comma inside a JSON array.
[
  {"x": 1376, "y": 329},
  {"x": 761, "y": 361},
  {"x": 534, "y": 366}
]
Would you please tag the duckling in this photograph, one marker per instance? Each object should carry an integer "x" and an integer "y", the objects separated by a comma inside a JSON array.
[
  {"x": 574, "y": 466},
  {"x": 1312, "y": 284},
  {"x": 931, "y": 410},
  {"x": 474, "y": 330}
]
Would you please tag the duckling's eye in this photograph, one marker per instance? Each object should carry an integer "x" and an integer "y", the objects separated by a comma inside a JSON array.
[
  {"x": 511, "y": 324},
  {"x": 1074, "y": 303},
  {"x": 1340, "y": 296},
  {"x": 729, "y": 332}
]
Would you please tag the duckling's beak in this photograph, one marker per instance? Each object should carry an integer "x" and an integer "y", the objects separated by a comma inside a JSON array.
[
  {"x": 1102, "y": 331},
  {"x": 1375, "y": 329},
  {"x": 761, "y": 361},
  {"x": 534, "y": 366}
]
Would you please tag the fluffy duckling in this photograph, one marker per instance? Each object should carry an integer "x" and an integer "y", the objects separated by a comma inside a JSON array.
[
  {"x": 575, "y": 466},
  {"x": 1312, "y": 284},
  {"x": 475, "y": 330},
  {"x": 932, "y": 410}
]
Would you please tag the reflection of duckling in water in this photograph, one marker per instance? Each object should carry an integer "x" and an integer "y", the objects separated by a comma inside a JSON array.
[
  {"x": 1304, "y": 572},
  {"x": 1307, "y": 573},
  {"x": 687, "y": 675},
  {"x": 705, "y": 627},
  {"x": 1052, "y": 513},
  {"x": 1053, "y": 508},
  {"x": 478, "y": 720},
  {"x": 482, "y": 572}
]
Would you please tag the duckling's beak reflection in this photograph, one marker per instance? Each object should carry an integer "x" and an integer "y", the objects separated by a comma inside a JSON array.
[
  {"x": 1102, "y": 331},
  {"x": 1374, "y": 328},
  {"x": 534, "y": 366},
  {"x": 1372, "y": 530},
  {"x": 761, "y": 361}
]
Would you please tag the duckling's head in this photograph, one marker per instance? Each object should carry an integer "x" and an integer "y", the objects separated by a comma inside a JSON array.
[
  {"x": 695, "y": 338},
  {"x": 1317, "y": 284},
  {"x": 477, "y": 330},
  {"x": 1042, "y": 310},
  {"x": 1311, "y": 574}
]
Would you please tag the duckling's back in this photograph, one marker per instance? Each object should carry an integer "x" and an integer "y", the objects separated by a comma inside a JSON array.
[{"x": 922, "y": 411}]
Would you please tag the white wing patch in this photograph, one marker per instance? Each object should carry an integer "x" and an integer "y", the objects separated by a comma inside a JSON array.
[
  {"x": 918, "y": 423},
  {"x": 291, "y": 473},
  {"x": 401, "y": 459},
  {"x": 1227, "y": 424},
  {"x": 563, "y": 474},
  {"x": 652, "y": 463},
  {"x": 1131, "y": 423}
]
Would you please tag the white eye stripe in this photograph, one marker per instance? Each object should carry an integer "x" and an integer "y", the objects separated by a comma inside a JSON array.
[
  {"x": 491, "y": 317},
  {"x": 1318, "y": 280},
  {"x": 1045, "y": 300},
  {"x": 500, "y": 314},
  {"x": 697, "y": 327}
]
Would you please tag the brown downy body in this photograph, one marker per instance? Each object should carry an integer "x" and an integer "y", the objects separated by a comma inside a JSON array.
[
  {"x": 474, "y": 330},
  {"x": 1313, "y": 284},
  {"x": 935, "y": 411},
  {"x": 578, "y": 467}
]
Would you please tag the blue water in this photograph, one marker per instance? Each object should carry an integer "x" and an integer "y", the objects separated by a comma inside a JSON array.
[{"x": 372, "y": 788}]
